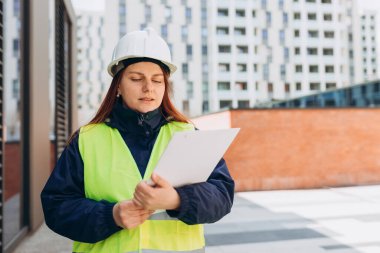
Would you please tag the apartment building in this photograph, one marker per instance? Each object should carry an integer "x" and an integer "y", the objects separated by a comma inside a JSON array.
[
  {"x": 369, "y": 40},
  {"x": 243, "y": 53},
  {"x": 92, "y": 78},
  {"x": 270, "y": 50}
]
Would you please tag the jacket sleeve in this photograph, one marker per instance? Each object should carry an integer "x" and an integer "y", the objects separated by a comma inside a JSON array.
[
  {"x": 206, "y": 202},
  {"x": 67, "y": 211}
]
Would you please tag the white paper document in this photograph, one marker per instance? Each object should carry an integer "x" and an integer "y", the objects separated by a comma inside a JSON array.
[{"x": 191, "y": 156}]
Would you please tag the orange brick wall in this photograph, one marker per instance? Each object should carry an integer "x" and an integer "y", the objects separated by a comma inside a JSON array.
[{"x": 302, "y": 148}]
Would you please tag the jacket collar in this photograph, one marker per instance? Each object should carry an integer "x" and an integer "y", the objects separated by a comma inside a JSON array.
[{"x": 128, "y": 120}]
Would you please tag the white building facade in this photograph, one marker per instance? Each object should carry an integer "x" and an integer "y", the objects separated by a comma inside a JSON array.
[
  {"x": 278, "y": 49},
  {"x": 92, "y": 77},
  {"x": 179, "y": 23},
  {"x": 245, "y": 53},
  {"x": 370, "y": 40},
  {"x": 12, "y": 105}
]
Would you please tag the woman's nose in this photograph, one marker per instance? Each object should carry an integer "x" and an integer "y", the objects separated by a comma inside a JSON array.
[{"x": 148, "y": 85}]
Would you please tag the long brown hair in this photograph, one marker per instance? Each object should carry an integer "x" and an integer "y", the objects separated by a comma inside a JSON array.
[{"x": 167, "y": 107}]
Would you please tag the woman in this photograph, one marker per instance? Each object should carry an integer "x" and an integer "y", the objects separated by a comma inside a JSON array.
[{"x": 97, "y": 194}]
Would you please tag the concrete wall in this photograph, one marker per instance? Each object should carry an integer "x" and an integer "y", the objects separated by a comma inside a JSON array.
[{"x": 303, "y": 148}]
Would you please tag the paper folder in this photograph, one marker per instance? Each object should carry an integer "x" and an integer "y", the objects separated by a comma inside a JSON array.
[{"x": 191, "y": 156}]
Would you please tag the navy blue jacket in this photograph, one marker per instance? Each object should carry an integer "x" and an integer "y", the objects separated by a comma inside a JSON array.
[{"x": 69, "y": 213}]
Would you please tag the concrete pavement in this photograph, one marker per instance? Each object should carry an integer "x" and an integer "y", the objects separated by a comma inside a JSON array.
[{"x": 334, "y": 220}]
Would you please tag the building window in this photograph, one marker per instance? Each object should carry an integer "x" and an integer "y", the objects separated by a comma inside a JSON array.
[
  {"x": 298, "y": 86},
  {"x": 326, "y": 1},
  {"x": 282, "y": 36},
  {"x": 312, "y": 16},
  {"x": 327, "y": 17},
  {"x": 329, "y": 34},
  {"x": 223, "y": 12},
  {"x": 313, "y": 33},
  {"x": 164, "y": 31},
  {"x": 296, "y": 33},
  {"x": 190, "y": 90},
  {"x": 268, "y": 18},
  {"x": 286, "y": 53},
  {"x": 281, "y": 4},
  {"x": 240, "y": 13},
  {"x": 224, "y": 67},
  {"x": 265, "y": 35},
  {"x": 184, "y": 32},
  {"x": 242, "y": 49},
  {"x": 241, "y": 86},
  {"x": 15, "y": 48},
  {"x": 16, "y": 8},
  {"x": 243, "y": 104},
  {"x": 148, "y": 13},
  {"x": 185, "y": 106},
  {"x": 287, "y": 87},
  {"x": 239, "y": 31},
  {"x": 330, "y": 86},
  {"x": 285, "y": 18},
  {"x": 189, "y": 50},
  {"x": 15, "y": 89},
  {"x": 255, "y": 67},
  {"x": 297, "y": 16},
  {"x": 185, "y": 68},
  {"x": 222, "y": 30},
  {"x": 241, "y": 67},
  {"x": 205, "y": 106},
  {"x": 270, "y": 87},
  {"x": 310, "y": 1},
  {"x": 253, "y": 13},
  {"x": 297, "y": 51},
  {"x": 204, "y": 49},
  {"x": 168, "y": 13},
  {"x": 298, "y": 68},
  {"x": 188, "y": 14},
  {"x": 315, "y": 86},
  {"x": 282, "y": 70},
  {"x": 313, "y": 68},
  {"x": 224, "y": 49},
  {"x": 266, "y": 71},
  {"x": 312, "y": 51},
  {"x": 329, "y": 69},
  {"x": 328, "y": 51},
  {"x": 224, "y": 86},
  {"x": 225, "y": 104}
]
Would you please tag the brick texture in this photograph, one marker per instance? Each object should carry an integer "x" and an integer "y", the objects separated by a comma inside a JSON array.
[{"x": 301, "y": 148}]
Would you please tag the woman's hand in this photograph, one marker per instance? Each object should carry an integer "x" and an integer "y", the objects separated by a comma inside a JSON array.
[
  {"x": 159, "y": 196},
  {"x": 129, "y": 215}
]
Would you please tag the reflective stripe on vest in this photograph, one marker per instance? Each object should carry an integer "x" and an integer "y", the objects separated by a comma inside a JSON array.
[
  {"x": 111, "y": 173},
  {"x": 160, "y": 251}
]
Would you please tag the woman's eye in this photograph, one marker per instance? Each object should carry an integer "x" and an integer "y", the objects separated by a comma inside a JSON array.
[
  {"x": 135, "y": 79},
  {"x": 157, "y": 81}
]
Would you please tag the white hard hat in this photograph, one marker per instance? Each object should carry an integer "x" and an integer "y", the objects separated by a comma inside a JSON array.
[{"x": 140, "y": 44}]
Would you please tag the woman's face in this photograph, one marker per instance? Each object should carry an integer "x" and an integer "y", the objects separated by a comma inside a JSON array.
[{"x": 142, "y": 86}]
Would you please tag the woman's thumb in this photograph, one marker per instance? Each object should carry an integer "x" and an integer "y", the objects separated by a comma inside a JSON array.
[{"x": 158, "y": 181}]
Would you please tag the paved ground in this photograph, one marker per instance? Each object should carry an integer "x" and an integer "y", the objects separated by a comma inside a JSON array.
[{"x": 337, "y": 220}]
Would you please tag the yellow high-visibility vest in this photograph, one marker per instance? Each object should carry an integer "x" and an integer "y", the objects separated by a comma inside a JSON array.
[{"x": 111, "y": 173}]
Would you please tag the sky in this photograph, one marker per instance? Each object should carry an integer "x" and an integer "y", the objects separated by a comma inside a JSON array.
[
  {"x": 88, "y": 5},
  {"x": 98, "y": 5}
]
